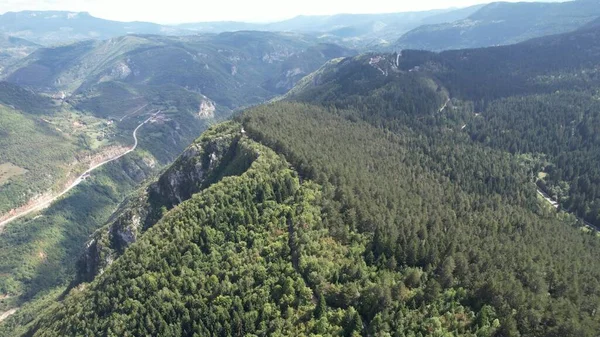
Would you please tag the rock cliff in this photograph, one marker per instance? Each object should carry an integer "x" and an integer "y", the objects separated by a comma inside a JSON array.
[{"x": 213, "y": 156}]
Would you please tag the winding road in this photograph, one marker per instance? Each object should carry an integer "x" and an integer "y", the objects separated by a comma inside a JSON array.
[{"x": 77, "y": 181}]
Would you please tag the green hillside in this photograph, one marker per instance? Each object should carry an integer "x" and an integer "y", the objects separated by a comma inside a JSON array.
[
  {"x": 36, "y": 150},
  {"x": 399, "y": 198},
  {"x": 536, "y": 99},
  {"x": 93, "y": 95},
  {"x": 102, "y": 90},
  {"x": 230, "y": 69},
  {"x": 423, "y": 254}
]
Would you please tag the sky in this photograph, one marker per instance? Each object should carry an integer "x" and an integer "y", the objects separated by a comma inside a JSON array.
[{"x": 179, "y": 11}]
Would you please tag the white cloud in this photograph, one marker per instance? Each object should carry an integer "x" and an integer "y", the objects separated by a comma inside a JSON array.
[{"x": 173, "y": 11}]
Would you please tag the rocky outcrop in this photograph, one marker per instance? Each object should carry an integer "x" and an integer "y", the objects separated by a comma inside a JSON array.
[
  {"x": 207, "y": 109},
  {"x": 206, "y": 161}
]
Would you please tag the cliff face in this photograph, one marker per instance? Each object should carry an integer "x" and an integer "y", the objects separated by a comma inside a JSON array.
[{"x": 213, "y": 156}]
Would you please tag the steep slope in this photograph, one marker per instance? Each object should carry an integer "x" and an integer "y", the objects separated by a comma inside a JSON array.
[
  {"x": 537, "y": 98},
  {"x": 57, "y": 27},
  {"x": 33, "y": 150},
  {"x": 95, "y": 94},
  {"x": 337, "y": 250},
  {"x": 388, "y": 202},
  {"x": 231, "y": 69},
  {"x": 203, "y": 163},
  {"x": 502, "y": 23},
  {"x": 186, "y": 81},
  {"x": 13, "y": 49}
]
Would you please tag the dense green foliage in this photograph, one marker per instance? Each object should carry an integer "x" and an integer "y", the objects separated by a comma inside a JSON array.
[
  {"x": 399, "y": 199},
  {"x": 388, "y": 242},
  {"x": 446, "y": 205},
  {"x": 253, "y": 254},
  {"x": 45, "y": 142},
  {"x": 537, "y": 98},
  {"x": 29, "y": 143},
  {"x": 564, "y": 127}
]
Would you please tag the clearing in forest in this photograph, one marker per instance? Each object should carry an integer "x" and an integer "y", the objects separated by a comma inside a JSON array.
[{"x": 8, "y": 170}]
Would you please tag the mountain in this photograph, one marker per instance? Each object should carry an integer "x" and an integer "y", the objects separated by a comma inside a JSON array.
[
  {"x": 13, "y": 49},
  {"x": 56, "y": 27},
  {"x": 502, "y": 23},
  {"x": 231, "y": 69},
  {"x": 59, "y": 27},
  {"x": 67, "y": 109},
  {"x": 219, "y": 26},
  {"x": 536, "y": 93},
  {"x": 593, "y": 24},
  {"x": 386, "y": 194},
  {"x": 34, "y": 153},
  {"x": 354, "y": 30}
]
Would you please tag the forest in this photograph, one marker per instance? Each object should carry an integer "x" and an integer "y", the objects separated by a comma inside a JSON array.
[
  {"x": 358, "y": 231},
  {"x": 386, "y": 195},
  {"x": 537, "y": 99}
]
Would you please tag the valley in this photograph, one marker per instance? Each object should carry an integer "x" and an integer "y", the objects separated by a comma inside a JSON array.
[
  {"x": 98, "y": 113},
  {"x": 45, "y": 201},
  {"x": 427, "y": 173}
]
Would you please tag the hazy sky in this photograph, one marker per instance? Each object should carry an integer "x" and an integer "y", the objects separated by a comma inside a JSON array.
[{"x": 177, "y": 11}]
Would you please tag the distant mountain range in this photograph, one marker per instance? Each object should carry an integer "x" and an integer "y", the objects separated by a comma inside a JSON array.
[
  {"x": 350, "y": 29},
  {"x": 502, "y": 23},
  {"x": 497, "y": 23},
  {"x": 233, "y": 69},
  {"x": 57, "y": 27}
]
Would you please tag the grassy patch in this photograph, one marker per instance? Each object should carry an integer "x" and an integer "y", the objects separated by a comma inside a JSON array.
[{"x": 8, "y": 170}]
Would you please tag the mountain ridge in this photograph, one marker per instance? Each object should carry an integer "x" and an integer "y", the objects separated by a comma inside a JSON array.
[
  {"x": 503, "y": 23},
  {"x": 385, "y": 194}
]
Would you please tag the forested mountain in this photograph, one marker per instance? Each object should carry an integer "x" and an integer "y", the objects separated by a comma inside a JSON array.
[
  {"x": 59, "y": 27},
  {"x": 230, "y": 69},
  {"x": 33, "y": 154},
  {"x": 69, "y": 108},
  {"x": 397, "y": 198},
  {"x": 502, "y": 23},
  {"x": 537, "y": 98}
]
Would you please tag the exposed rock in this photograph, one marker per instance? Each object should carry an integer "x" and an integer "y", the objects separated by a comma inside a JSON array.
[
  {"x": 277, "y": 56},
  {"x": 119, "y": 71},
  {"x": 207, "y": 109},
  {"x": 201, "y": 164}
]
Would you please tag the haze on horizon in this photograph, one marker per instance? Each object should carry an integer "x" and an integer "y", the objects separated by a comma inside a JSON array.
[{"x": 180, "y": 11}]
